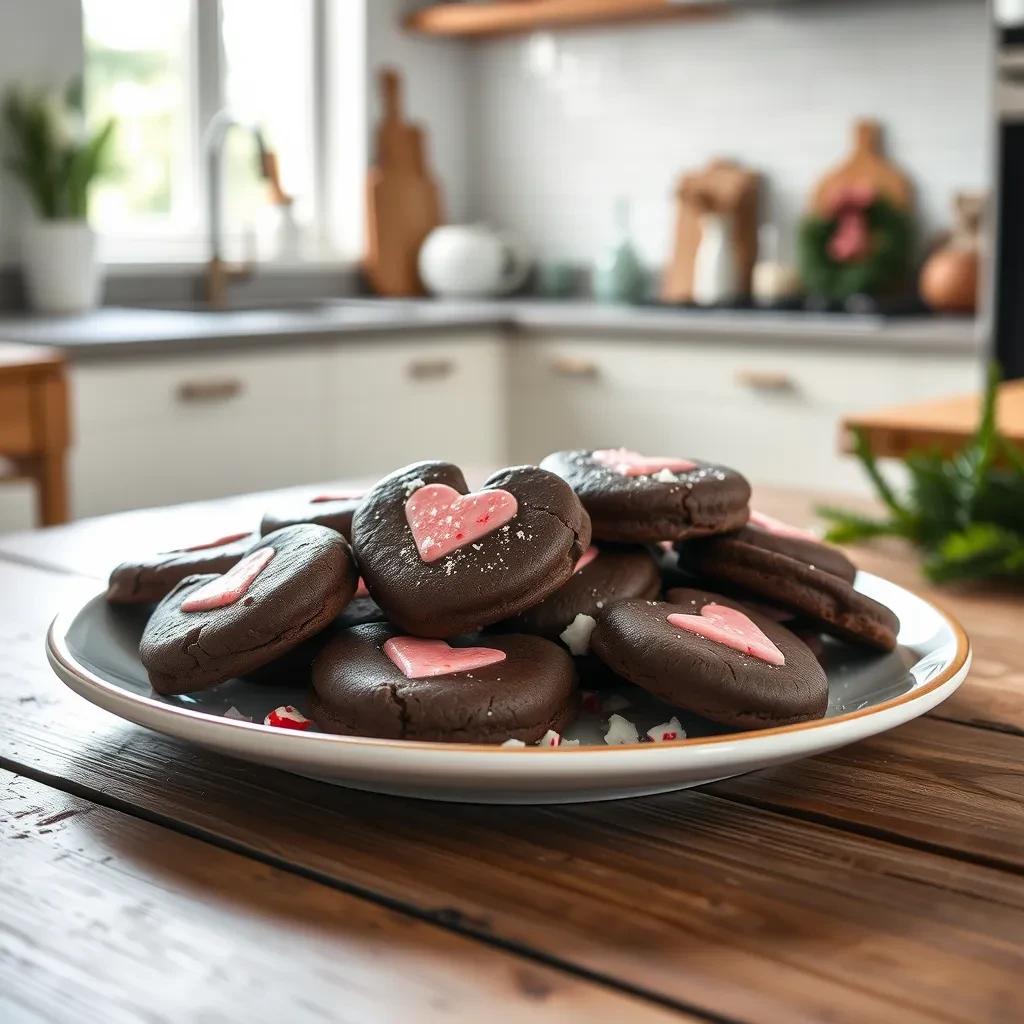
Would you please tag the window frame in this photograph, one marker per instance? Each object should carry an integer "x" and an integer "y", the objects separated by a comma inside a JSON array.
[{"x": 335, "y": 230}]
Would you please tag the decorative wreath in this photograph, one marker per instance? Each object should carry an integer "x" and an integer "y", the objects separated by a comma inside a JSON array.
[{"x": 860, "y": 246}]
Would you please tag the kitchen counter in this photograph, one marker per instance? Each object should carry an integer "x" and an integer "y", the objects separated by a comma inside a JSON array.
[{"x": 135, "y": 331}]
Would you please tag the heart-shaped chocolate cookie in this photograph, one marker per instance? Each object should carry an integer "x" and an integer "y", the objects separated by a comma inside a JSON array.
[
  {"x": 688, "y": 654},
  {"x": 644, "y": 499},
  {"x": 442, "y": 561}
]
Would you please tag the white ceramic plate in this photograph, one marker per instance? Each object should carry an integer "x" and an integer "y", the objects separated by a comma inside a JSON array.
[{"x": 94, "y": 649}]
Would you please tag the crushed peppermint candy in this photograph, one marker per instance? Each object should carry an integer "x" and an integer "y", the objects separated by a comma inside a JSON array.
[
  {"x": 670, "y": 730},
  {"x": 576, "y": 636},
  {"x": 665, "y": 476},
  {"x": 620, "y": 730},
  {"x": 287, "y": 717},
  {"x": 414, "y": 485},
  {"x": 550, "y": 739},
  {"x": 570, "y": 743},
  {"x": 513, "y": 742},
  {"x": 236, "y": 715}
]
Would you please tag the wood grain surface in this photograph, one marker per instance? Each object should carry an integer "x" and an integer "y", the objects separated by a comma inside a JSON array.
[
  {"x": 884, "y": 881},
  {"x": 109, "y": 918}
]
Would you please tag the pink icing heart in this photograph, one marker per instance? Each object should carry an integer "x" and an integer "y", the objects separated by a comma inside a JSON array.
[
  {"x": 443, "y": 520},
  {"x": 227, "y": 589},
  {"x": 416, "y": 658},
  {"x": 732, "y": 628},
  {"x": 776, "y": 526},
  {"x": 629, "y": 463},
  {"x": 586, "y": 558}
]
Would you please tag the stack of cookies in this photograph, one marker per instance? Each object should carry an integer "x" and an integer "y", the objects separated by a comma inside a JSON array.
[{"x": 421, "y": 610}]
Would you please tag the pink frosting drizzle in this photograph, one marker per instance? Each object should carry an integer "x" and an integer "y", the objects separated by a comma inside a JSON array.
[
  {"x": 772, "y": 525},
  {"x": 732, "y": 628},
  {"x": 229, "y": 539},
  {"x": 227, "y": 589},
  {"x": 629, "y": 463},
  {"x": 417, "y": 658},
  {"x": 586, "y": 558},
  {"x": 442, "y": 520}
]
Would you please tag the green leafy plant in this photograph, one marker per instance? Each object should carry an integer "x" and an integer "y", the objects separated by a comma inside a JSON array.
[
  {"x": 883, "y": 269},
  {"x": 965, "y": 511},
  {"x": 52, "y": 151}
]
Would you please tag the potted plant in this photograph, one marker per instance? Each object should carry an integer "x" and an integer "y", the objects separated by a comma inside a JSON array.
[{"x": 56, "y": 157}]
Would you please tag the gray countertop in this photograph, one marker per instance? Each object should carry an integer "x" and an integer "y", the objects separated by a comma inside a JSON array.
[{"x": 116, "y": 330}]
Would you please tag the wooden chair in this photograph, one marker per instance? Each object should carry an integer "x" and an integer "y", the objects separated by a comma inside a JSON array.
[{"x": 34, "y": 430}]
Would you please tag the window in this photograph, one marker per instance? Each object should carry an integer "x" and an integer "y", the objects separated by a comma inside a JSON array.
[{"x": 165, "y": 69}]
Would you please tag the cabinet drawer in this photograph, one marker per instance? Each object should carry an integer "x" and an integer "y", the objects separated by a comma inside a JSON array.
[
  {"x": 398, "y": 401},
  {"x": 839, "y": 380},
  {"x": 16, "y": 429}
]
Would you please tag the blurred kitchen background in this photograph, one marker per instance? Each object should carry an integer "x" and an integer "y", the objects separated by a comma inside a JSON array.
[{"x": 334, "y": 236}]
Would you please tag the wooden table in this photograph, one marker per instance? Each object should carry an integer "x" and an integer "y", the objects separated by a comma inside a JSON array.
[
  {"x": 34, "y": 431},
  {"x": 141, "y": 878},
  {"x": 945, "y": 424}
]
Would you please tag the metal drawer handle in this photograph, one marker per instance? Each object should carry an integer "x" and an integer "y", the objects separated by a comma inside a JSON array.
[
  {"x": 765, "y": 380},
  {"x": 209, "y": 390},
  {"x": 573, "y": 366},
  {"x": 430, "y": 369}
]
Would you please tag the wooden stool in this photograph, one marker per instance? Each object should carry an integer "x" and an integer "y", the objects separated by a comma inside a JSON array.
[{"x": 34, "y": 432}]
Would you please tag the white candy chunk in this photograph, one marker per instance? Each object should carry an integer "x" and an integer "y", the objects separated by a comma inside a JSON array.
[
  {"x": 510, "y": 742},
  {"x": 233, "y": 712},
  {"x": 620, "y": 730},
  {"x": 570, "y": 743},
  {"x": 576, "y": 636},
  {"x": 666, "y": 476},
  {"x": 550, "y": 739},
  {"x": 670, "y": 730}
]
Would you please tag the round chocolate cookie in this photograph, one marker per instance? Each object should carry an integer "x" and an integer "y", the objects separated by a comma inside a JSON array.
[
  {"x": 146, "y": 580},
  {"x": 639, "y": 499},
  {"x": 754, "y": 563},
  {"x": 333, "y": 510},
  {"x": 374, "y": 681},
  {"x": 441, "y": 562},
  {"x": 287, "y": 588},
  {"x": 687, "y": 662},
  {"x": 605, "y": 573}
]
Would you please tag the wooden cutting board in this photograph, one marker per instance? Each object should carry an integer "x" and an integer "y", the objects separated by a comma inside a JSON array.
[
  {"x": 403, "y": 204},
  {"x": 866, "y": 165}
]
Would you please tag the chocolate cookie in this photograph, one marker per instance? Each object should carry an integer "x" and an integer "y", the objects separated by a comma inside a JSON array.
[
  {"x": 374, "y": 681},
  {"x": 640, "y": 499},
  {"x": 810, "y": 580},
  {"x": 707, "y": 656},
  {"x": 289, "y": 586},
  {"x": 441, "y": 562},
  {"x": 605, "y": 573},
  {"x": 146, "y": 580},
  {"x": 333, "y": 510}
]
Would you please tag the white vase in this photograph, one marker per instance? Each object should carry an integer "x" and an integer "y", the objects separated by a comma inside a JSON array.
[
  {"x": 715, "y": 274},
  {"x": 471, "y": 261},
  {"x": 62, "y": 273}
]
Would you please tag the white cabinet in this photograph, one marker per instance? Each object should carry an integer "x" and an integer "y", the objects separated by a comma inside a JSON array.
[
  {"x": 155, "y": 430},
  {"x": 164, "y": 429},
  {"x": 770, "y": 410},
  {"x": 422, "y": 397}
]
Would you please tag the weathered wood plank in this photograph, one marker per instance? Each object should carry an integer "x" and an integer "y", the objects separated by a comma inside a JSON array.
[
  {"x": 107, "y": 918},
  {"x": 734, "y": 910}
]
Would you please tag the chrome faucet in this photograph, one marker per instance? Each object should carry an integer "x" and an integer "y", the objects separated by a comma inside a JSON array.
[{"x": 219, "y": 273}]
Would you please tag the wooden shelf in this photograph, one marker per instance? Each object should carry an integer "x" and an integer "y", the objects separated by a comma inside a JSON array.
[{"x": 490, "y": 19}]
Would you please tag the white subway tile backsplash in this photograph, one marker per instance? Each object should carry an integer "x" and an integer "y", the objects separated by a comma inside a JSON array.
[{"x": 563, "y": 123}]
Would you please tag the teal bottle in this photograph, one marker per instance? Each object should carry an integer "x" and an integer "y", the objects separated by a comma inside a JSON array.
[{"x": 619, "y": 276}]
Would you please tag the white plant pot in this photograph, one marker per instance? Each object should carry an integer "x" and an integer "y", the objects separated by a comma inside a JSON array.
[{"x": 62, "y": 273}]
